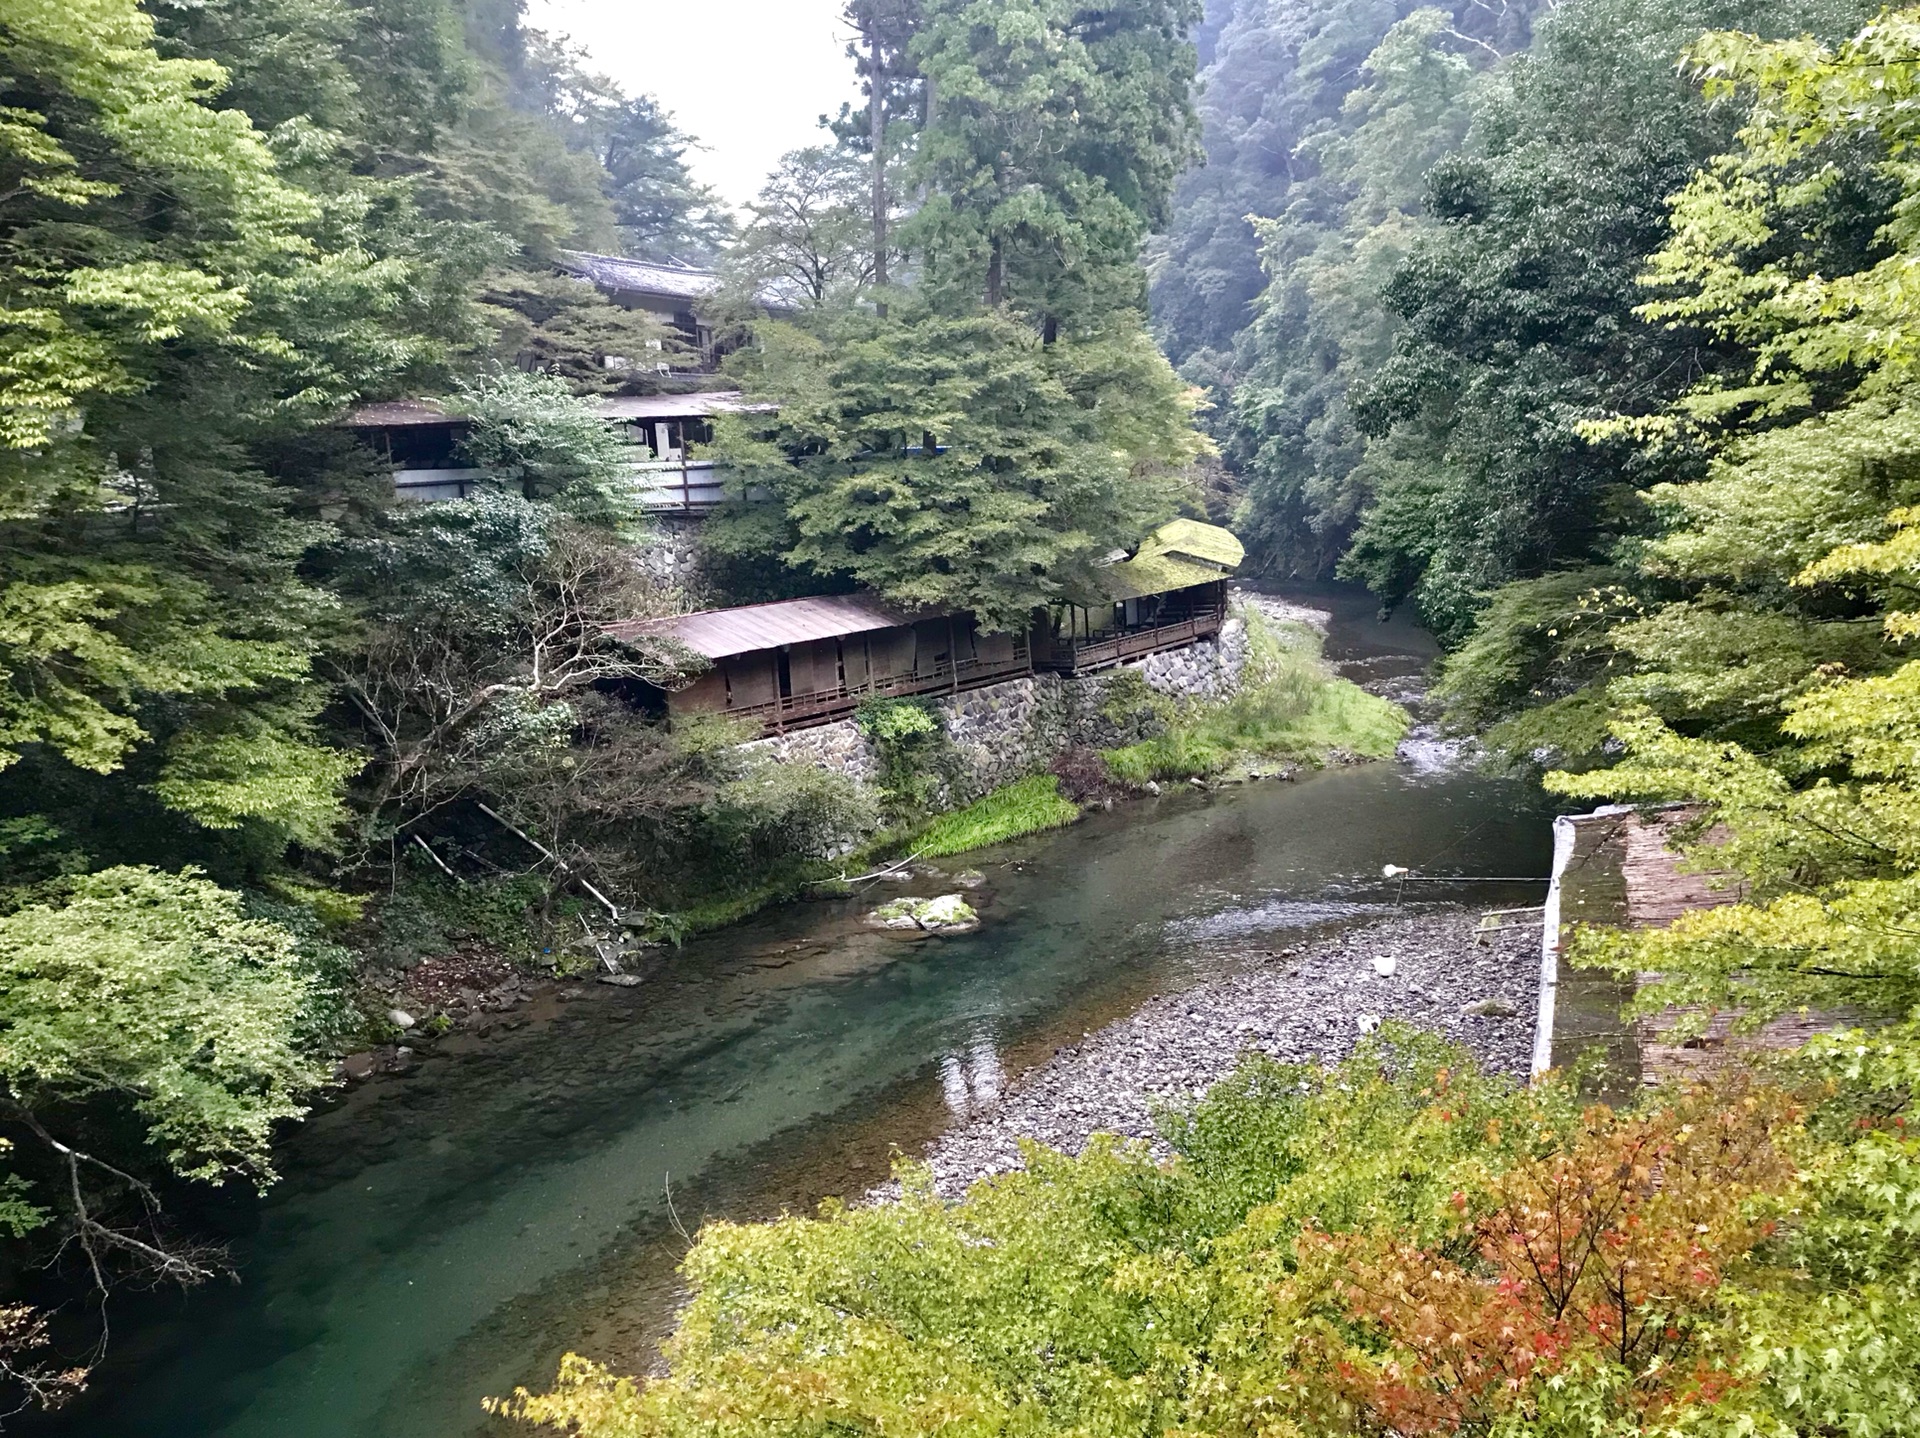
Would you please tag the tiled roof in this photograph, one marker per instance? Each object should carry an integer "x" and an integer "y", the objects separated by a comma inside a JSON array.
[
  {"x": 718, "y": 633},
  {"x": 616, "y": 272}
]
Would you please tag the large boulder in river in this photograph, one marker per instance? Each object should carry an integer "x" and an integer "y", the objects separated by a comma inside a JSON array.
[{"x": 948, "y": 914}]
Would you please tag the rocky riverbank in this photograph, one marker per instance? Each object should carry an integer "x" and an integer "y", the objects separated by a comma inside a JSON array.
[{"x": 1308, "y": 1004}]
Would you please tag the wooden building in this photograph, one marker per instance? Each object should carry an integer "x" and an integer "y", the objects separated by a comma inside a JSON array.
[
  {"x": 673, "y": 293},
  {"x": 420, "y": 440},
  {"x": 810, "y": 661},
  {"x": 1171, "y": 593},
  {"x": 800, "y": 662}
]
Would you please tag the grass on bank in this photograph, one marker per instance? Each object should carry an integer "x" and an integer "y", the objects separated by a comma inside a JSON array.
[
  {"x": 1295, "y": 709},
  {"x": 1025, "y": 807}
]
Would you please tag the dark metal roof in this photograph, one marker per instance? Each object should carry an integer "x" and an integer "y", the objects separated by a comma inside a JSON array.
[
  {"x": 677, "y": 406},
  {"x": 719, "y": 633},
  {"x": 398, "y": 414},
  {"x": 616, "y": 272}
]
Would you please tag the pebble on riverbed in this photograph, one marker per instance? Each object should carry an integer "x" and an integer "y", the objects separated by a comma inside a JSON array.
[{"x": 1304, "y": 1005}]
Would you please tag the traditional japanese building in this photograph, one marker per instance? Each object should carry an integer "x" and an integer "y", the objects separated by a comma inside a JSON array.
[
  {"x": 1171, "y": 592},
  {"x": 672, "y": 292},
  {"x": 420, "y": 440},
  {"x": 798, "y": 662},
  {"x": 801, "y": 662}
]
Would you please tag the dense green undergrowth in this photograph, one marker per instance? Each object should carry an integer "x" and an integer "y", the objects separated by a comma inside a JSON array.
[
  {"x": 1027, "y": 806},
  {"x": 1377, "y": 1247},
  {"x": 1291, "y": 707}
]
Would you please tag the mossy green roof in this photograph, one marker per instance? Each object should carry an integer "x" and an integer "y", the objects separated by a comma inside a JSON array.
[
  {"x": 1177, "y": 555},
  {"x": 1146, "y": 574},
  {"x": 1191, "y": 540}
]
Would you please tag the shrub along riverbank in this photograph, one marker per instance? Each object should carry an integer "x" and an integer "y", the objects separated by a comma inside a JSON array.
[
  {"x": 1291, "y": 708},
  {"x": 1029, "y": 806},
  {"x": 1395, "y": 1244},
  {"x": 1291, "y": 711},
  {"x": 775, "y": 831}
]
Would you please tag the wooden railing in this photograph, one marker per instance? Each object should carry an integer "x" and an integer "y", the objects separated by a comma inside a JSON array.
[
  {"x": 689, "y": 485},
  {"x": 1082, "y": 656},
  {"x": 822, "y": 706}
]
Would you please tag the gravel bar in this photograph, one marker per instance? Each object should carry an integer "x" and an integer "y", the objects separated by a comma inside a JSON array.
[{"x": 1306, "y": 1004}]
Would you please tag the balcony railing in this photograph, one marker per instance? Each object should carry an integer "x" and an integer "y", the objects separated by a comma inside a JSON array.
[
  {"x": 686, "y": 486},
  {"x": 418, "y": 485},
  {"x": 1103, "y": 651},
  {"x": 691, "y": 486},
  {"x": 822, "y": 706}
]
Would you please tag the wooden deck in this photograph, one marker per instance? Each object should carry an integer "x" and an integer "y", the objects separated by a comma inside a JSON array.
[
  {"x": 1089, "y": 656},
  {"x": 1623, "y": 871}
]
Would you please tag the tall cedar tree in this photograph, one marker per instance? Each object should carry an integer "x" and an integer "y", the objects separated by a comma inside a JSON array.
[{"x": 1007, "y": 422}]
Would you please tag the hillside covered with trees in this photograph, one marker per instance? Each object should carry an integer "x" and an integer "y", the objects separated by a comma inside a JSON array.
[
  {"x": 243, "y": 688},
  {"x": 229, "y": 665},
  {"x": 1585, "y": 332},
  {"x": 1581, "y": 330}
]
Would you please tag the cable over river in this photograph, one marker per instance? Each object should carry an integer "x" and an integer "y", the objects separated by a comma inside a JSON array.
[{"x": 446, "y": 1235}]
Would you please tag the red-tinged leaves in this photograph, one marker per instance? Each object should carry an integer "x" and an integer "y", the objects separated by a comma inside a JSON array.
[{"x": 1609, "y": 1250}]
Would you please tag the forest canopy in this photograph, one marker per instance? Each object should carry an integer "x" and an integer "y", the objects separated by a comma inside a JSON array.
[
  {"x": 221, "y": 225},
  {"x": 1582, "y": 329},
  {"x": 250, "y": 706}
]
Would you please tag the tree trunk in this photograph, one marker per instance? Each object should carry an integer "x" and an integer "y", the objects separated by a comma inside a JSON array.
[
  {"x": 877, "y": 133},
  {"x": 996, "y": 276}
]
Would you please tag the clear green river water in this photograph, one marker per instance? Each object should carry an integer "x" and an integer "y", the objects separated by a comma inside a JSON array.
[{"x": 448, "y": 1235}]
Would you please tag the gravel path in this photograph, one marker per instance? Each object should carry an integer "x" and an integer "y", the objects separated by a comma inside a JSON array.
[{"x": 1304, "y": 1004}]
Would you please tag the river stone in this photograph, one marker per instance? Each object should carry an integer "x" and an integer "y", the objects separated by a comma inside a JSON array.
[
  {"x": 1300, "y": 1000},
  {"x": 947, "y": 914}
]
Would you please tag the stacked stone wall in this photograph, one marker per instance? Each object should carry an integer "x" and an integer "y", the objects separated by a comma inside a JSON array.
[
  {"x": 839, "y": 747},
  {"x": 669, "y": 551}
]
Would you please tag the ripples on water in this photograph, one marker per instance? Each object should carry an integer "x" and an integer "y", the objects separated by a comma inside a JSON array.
[{"x": 1275, "y": 916}]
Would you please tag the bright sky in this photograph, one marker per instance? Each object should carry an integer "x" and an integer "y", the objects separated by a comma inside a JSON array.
[{"x": 748, "y": 79}]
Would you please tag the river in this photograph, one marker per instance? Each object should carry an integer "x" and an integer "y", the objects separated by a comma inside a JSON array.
[{"x": 447, "y": 1235}]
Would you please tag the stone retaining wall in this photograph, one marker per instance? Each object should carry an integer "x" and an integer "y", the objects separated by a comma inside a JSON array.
[
  {"x": 669, "y": 551},
  {"x": 1207, "y": 670},
  {"x": 839, "y": 747},
  {"x": 1004, "y": 732}
]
